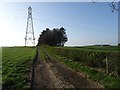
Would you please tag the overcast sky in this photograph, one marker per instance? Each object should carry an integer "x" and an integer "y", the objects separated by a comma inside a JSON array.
[{"x": 86, "y": 23}]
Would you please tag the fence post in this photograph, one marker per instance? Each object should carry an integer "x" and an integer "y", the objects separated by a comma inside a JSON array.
[
  {"x": 107, "y": 66},
  {"x": 117, "y": 63}
]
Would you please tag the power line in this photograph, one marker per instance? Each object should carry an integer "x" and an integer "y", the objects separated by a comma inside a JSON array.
[{"x": 63, "y": 18}]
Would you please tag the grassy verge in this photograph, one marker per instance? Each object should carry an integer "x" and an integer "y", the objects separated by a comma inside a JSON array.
[
  {"x": 105, "y": 60},
  {"x": 16, "y": 66},
  {"x": 42, "y": 54},
  {"x": 104, "y": 79}
]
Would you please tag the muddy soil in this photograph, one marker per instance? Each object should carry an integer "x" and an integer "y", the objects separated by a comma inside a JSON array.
[{"x": 54, "y": 74}]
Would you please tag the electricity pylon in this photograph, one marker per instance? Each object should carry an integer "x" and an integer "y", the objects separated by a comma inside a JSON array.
[{"x": 29, "y": 29}]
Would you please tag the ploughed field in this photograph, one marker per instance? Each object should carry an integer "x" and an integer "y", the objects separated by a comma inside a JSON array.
[{"x": 60, "y": 67}]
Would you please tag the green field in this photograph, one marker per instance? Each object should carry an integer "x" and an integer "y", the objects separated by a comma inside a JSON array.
[
  {"x": 16, "y": 66},
  {"x": 97, "y": 48}
]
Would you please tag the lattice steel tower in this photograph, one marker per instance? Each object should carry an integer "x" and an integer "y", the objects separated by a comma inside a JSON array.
[{"x": 29, "y": 37}]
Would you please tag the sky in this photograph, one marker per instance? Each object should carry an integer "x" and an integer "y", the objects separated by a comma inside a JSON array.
[{"x": 86, "y": 23}]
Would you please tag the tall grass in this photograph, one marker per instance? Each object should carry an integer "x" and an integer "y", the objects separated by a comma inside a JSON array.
[{"x": 93, "y": 58}]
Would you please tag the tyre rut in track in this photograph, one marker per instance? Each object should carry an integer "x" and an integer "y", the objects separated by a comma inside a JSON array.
[
  {"x": 44, "y": 77},
  {"x": 71, "y": 76}
]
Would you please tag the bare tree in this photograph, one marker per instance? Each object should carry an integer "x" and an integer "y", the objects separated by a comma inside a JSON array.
[
  {"x": 112, "y": 5},
  {"x": 94, "y": 1}
]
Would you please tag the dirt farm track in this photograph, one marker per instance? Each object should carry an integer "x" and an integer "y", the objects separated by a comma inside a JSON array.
[{"x": 54, "y": 74}]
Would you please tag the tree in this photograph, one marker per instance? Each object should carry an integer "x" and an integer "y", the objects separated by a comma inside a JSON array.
[
  {"x": 55, "y": 37},
  {"x": 112, "y": 5}
]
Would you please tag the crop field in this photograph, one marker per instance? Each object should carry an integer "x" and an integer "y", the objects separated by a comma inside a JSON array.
[
  {"x": 16, "y": 66},
  {"x": 97, "y": 48}
]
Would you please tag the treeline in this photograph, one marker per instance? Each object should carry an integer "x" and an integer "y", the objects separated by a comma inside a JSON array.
[{"x": 55, "y": 37}]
